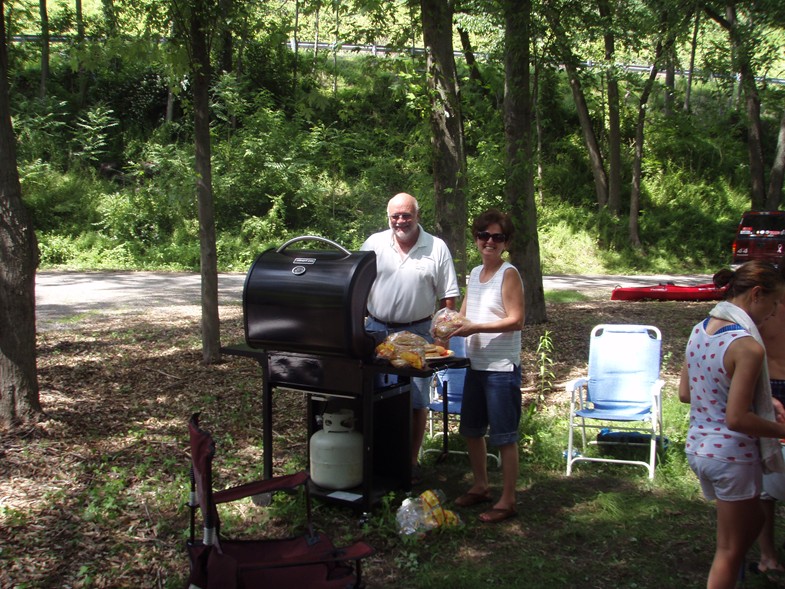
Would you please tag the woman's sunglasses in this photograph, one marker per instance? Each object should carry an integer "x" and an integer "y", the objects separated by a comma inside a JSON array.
[{"x": 496, "y": 237}]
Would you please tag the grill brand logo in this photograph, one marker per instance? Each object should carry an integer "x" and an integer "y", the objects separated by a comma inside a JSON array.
[{"x": 300, "y": 269}]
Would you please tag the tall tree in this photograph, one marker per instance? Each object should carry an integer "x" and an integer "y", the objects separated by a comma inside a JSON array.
[
  {"x": 211, "y": 338},
  {"x": 554, "y": 14},
  {"x": 774, "y": 193},
  {"x": 110, "y": 16},
  {"x": 637, "y": 161},
  {"x": 742, "y": 43},
  {"x": 194, "y": 22},
  {"x": 80, "y": 43},
  {"x": 468, "y": 55},
  {"x": 614, "y": 113},
  {"x": 670, "y": 72},
  {"x": 44, "y": 48},
  {"x": 19, "y": 395},
  {"x": 666, "y": 36},
  {"x": 519, "y": 184},
  {"x": 226, "y": 39},
  {"x": 449, "y": 153},
  {"x": 693, "y": 50}
]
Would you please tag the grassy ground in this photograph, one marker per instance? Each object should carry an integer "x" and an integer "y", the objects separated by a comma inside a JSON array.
[{"x": 94, "y": 495}]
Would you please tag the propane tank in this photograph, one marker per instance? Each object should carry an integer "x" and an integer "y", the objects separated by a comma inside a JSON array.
[{"x": 337, "y": 452}]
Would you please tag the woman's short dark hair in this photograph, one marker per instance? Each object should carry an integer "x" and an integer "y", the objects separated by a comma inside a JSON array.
[
  {"x": 491, "y": 216},
  {"x": 767, "y": 276}
]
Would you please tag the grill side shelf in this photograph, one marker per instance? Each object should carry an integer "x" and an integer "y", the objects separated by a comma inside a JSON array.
[{"x": 433, "y": 365}]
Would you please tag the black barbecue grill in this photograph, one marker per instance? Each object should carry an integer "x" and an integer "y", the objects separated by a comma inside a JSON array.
[
  {"x": 310, "y": 301},
  {"x": 304, "y": 317}
]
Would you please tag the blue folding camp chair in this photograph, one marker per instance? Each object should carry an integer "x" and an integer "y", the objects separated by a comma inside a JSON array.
[
  {"x": 446, "y": 399},
  {"x": 621, "y": 396}
]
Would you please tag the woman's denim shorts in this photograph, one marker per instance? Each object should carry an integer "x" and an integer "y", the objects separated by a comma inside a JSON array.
[{"x": 492, "y": 400}]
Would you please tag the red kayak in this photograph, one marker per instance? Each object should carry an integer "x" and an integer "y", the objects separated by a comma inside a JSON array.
[{"x": 668, "y": 292}]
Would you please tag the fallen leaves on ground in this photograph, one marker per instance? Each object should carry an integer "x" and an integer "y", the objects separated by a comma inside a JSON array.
[{"x": 93, "y": 495}]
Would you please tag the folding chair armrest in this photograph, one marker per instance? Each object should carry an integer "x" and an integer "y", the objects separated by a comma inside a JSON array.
[
  {"x": 264, "y": 486},
  {"x": 576, "y": 383},
  {"x": 656, "y": 390},
  {"x": 356, "y": 551},
  {"x": 577, "y": 389}
]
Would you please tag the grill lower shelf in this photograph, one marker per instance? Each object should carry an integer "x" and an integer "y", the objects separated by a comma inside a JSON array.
[{"x": 383, "y": 415}]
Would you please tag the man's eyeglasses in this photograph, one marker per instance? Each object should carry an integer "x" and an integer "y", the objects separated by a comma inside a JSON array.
[
  {"x": 401, "y": 216},
  {"x": 496, "y": 237}
]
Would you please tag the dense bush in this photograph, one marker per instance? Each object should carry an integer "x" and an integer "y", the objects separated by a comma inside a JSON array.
[{"x": 111, "y": 184}]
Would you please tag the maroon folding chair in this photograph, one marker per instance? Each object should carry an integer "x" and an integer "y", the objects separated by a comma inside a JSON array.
[{"x": 310, "y": 560}]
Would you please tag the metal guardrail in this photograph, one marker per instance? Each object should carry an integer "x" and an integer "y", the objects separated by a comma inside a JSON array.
[
  {"x": 374, "y": 49},
  {"x": 383, "y": 49}
]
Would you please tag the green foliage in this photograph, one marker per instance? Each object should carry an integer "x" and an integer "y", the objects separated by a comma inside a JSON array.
[
  {"x": 56, "y": 250},
  {"x": 41, "y": 131},
  {"x": 543, "y": 436},
  {"x": 382, "y": 520},
  {"x": 60, "y": 202},
  {"x": 294, "y": 157},
  {"x": 91, "y": 135},
  {"x": 544, "y": 354}
]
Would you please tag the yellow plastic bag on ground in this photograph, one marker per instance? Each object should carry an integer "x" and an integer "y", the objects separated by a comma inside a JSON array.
[{"x": 419, "y": 514}]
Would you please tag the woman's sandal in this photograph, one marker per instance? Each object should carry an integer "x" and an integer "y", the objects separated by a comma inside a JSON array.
[
  {"x": 496, "y": 515},
  {"x": 469, "y": 499},
  {"x": 754, "y": 567}
]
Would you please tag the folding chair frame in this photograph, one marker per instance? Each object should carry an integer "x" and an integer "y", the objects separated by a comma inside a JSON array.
[
  {"x": 447, "y": 419},
  {"x": 230, "y": 557},
  {"x": 648, "y": 423}
]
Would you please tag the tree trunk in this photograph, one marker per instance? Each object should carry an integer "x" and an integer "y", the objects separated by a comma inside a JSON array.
[
  {"x": 211, "y": 342},
  {"x": 110, "y": 18},
  {"x": 692, "y": 61},
  {"x": 754, "y": 139},
  {"x": 226, "y": 50},
  {"x": 19, "y": 399},
  {"x": 337, "y": 38},
  {"x": 635, "y": 193},
  {"x": 519, "y": 185},
  {"x": 468, "y": 55},
  {"x": 449, "y": 155},
  {"x": 296, "y": 48},
  {"x": 316, "y": 29},
  {"x": 740, "y": 41},
  {"x": 774, "y": 194},
  {"x": 670, "y": 69},
  {"x": 614, "y": 117},
  {"x": 44, "y": 48},
  {"x": 539, "y": 131},
  {"x": 80, "y": 42},
  {"x": 589, "y": 137}
]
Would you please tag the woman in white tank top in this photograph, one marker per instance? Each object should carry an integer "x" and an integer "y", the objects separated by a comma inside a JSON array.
[{"x": 491, "y": 403}]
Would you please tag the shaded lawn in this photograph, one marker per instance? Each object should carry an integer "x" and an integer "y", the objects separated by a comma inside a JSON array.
[{"x": 94, "y": 496}]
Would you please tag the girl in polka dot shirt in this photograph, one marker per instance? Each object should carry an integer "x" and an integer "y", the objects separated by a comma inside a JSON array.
[{"x": 722, "y": 366}]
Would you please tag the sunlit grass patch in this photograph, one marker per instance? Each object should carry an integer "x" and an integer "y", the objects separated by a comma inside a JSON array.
[{"x": 565, "y": 296}]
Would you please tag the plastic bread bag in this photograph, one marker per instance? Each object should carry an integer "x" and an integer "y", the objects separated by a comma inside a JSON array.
[
  {"x": 445, "y": 322},
  {"x": 402, "y": 349}
]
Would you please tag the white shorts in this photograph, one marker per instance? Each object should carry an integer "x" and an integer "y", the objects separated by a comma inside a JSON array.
[{"x": 727, "y": 481}]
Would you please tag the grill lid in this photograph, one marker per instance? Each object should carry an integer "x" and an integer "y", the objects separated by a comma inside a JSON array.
[{"x": 310, "y": 301}]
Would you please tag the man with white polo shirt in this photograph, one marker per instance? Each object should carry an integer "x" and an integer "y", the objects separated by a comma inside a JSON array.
[{"x": 415, "y": 276}]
